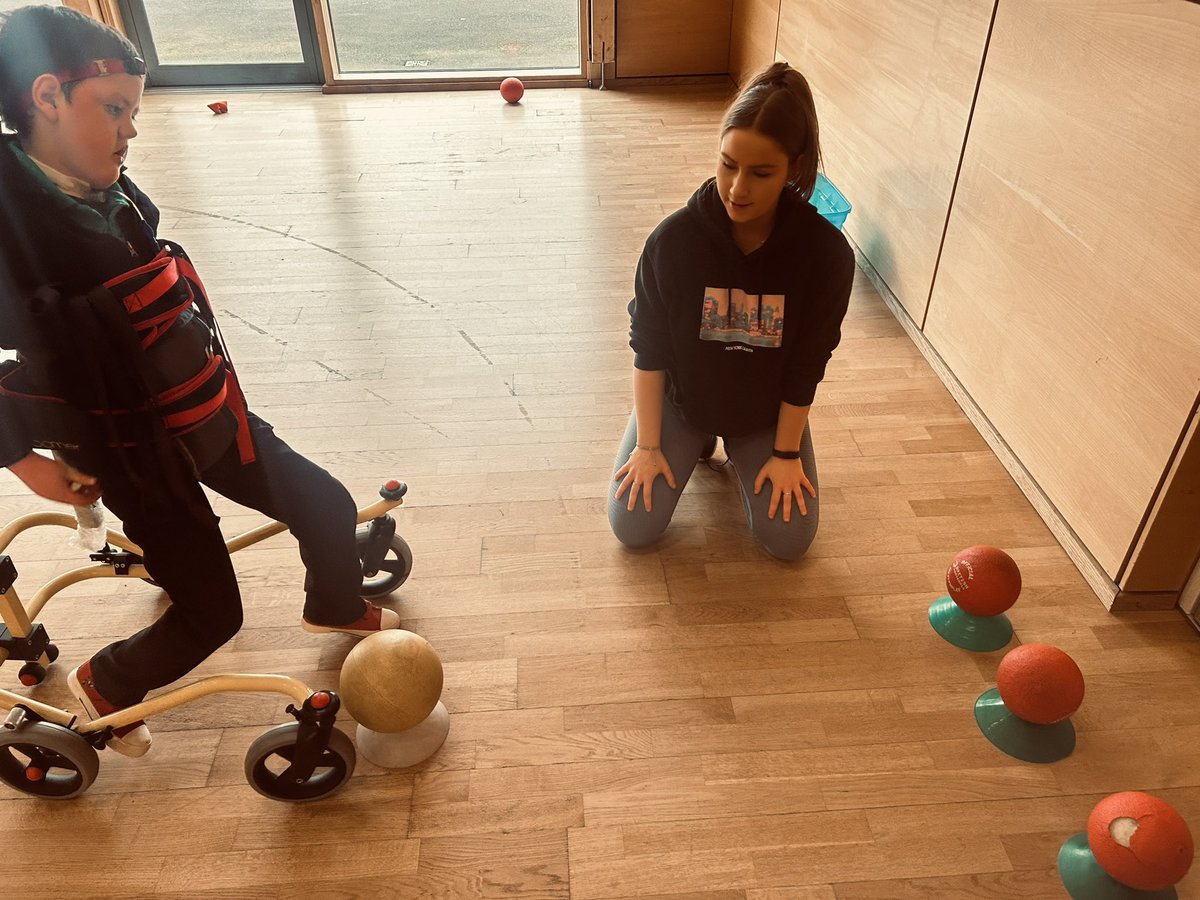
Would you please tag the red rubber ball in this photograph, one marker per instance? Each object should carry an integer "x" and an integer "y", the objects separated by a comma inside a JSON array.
[
  {"x": 512, "y": 90},
  {"x": 1140, "y": 840},
  {"x": 984, "y": 581},
  {"x": 1039, "y": 683}
]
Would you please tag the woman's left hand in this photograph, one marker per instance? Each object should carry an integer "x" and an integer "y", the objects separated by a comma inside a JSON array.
[{"x": 788, "y": 483}]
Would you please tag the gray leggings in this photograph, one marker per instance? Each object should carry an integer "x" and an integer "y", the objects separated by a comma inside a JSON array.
[{"x": 682, "y": 444}]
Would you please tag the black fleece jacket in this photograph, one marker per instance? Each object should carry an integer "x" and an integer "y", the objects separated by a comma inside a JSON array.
[
  {"x": 50, "y": 240},
  {"x": 739, "y": 333}
]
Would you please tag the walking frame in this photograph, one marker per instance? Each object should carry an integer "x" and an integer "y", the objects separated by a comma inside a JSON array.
[{"x": 50, "y": 752}]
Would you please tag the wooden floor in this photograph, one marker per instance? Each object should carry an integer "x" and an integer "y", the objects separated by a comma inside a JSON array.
[{"x": 433, "y": 287}]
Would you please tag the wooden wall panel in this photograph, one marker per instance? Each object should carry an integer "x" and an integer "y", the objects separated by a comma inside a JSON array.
[
  {"x": 894, "y": 81},
  {"x": 1066, "y": 301},
  {"x": 752, "y": 37},
  {"x": 673, "y": 37},
  {"x": 1169, "y": 544}
]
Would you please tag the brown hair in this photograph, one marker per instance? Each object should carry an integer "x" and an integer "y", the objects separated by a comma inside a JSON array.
[{"x": 777, "y": 103}]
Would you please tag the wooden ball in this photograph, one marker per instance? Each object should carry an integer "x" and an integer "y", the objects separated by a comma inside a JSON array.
[
  {"x": 391, "y": 680},
  {"x": 984, "y": 581},
  {"x": 1039, "y": 683},
  {"x": 1140, "y": 840}
]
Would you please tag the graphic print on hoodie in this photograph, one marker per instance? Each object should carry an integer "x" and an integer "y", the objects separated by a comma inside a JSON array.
[
  {"x": 697, "y": 297},
  {"x": 731, "y": 315}
]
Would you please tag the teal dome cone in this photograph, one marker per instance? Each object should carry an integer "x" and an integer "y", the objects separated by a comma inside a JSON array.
[
  {"x": 1084, "y": 879},
  {"x": 978, "y": 633},
  {"x": 1018, "y": 738}
]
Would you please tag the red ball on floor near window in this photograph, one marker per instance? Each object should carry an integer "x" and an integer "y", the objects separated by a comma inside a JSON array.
[
  {"x": 984, "y": 581},
  {"x": 1140, "y": 840},
  {"x": 512, "y": 90}
]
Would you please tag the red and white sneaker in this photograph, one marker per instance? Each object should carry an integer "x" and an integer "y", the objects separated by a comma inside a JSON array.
[
  {"x": 376, "y": 618},
  {"x": 128, "y": 740}
]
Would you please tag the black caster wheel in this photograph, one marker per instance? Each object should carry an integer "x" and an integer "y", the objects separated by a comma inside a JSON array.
[
  {"x": 392, "y": 572},
  {"x": 52, "y": 652},
  {"x": 32, "y": 673},
  {"x": 47, "y": 760},
  {"x": 271, "y": 755}
]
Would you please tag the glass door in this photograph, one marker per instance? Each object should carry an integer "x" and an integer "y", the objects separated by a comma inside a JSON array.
[
  {"x": 430, "y": 38},
  {"x": 201, "y": 42}
]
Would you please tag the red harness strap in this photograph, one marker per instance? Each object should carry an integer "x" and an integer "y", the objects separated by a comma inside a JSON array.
[
  {"x": 154, "y": 307},
  {"x": 236, "y": 399},
  {"x": 155, "y": 296}
]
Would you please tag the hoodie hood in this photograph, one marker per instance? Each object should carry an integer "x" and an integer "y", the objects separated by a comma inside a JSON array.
[
  {"x": 705, "y": 204},
  {"x": 710, "y": 212},
  {"x": 753, "y": 268}
]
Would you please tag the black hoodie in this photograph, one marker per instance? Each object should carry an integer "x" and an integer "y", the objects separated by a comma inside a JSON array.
[
  {"x": 50, "y": 240},
  {"x": 713, "y": 317}
]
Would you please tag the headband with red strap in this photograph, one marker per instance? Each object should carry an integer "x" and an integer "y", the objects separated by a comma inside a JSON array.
[
  {"x": 98, "y": 67},
  {"x": 95, "y": 69}
]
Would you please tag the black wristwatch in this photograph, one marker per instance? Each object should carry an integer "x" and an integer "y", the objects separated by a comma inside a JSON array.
[{"x": 785, "y": 454}]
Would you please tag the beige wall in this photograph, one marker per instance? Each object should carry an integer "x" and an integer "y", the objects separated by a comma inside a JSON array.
[
  {"x": 752, "y": 37},
  {"x": 673, "y": 37},
  {"x": 1068, "y": 297},
  {"x": 893, "y": 82}
]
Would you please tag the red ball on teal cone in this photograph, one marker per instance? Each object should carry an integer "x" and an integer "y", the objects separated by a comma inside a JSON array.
[
  {"x": 1137, "y": 847},
  {"x": 983, "y": 580},
  {"x": 1140, "y": 840},
  {"x": 981, "y": 583},
  {"x": 1027, "y": 714},
  {"x": 1040, "y": 683}
]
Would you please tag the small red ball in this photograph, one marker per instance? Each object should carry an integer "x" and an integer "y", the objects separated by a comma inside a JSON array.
[
  {"x": 1140, "y": 840},
  {"x": 984, "y": 581},
  {"x": 512, "y": 90},
  {"x": 1039, "y": 683}
]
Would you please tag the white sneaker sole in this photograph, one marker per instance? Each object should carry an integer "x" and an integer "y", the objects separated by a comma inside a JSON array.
[{"x": 134, "y": 744}]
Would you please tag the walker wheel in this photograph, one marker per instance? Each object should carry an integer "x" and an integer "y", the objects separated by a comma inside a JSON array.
[
  {"x": 52, "y": 652},
  {"x": 47, "y": 760},
  {"x": 271, "y": 755},
  {"x": 393, "y": 571},
  {"x": 32, "y": 673}
]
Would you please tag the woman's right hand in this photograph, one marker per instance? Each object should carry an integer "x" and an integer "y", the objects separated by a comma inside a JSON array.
[
  {"x": 638, "y": 474},
  {"x": 55, "y": 480}
]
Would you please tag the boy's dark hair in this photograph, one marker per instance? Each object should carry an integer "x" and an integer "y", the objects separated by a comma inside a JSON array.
[
  {"x": 778, "y": 103},
  {"x": 39, "y": 39}
]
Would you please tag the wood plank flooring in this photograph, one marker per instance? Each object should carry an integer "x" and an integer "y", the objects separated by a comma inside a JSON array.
[{"x": 433, "y": 287}]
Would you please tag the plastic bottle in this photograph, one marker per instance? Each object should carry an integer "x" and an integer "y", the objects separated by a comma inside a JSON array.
[{"x": 90, "y": 533}]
